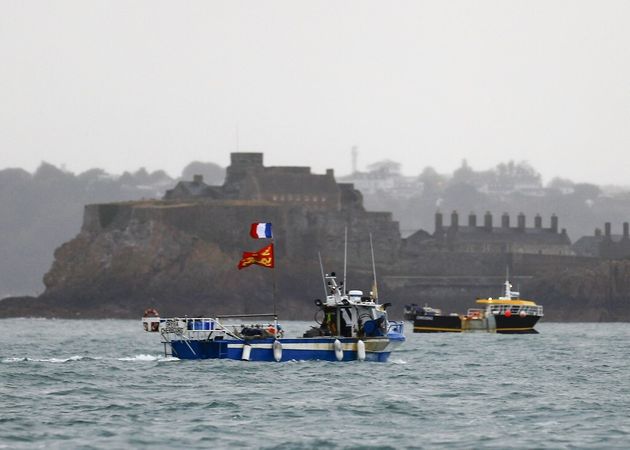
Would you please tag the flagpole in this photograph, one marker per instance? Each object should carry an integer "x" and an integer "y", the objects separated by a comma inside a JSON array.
[
  {"x": 262, "y": 230},
  {"x": 345, "y": 258},
  {"x": 275, "y": 314}
]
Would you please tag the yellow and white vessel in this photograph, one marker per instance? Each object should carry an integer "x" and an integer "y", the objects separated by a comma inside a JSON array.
[{"x": 506, "y": 314}]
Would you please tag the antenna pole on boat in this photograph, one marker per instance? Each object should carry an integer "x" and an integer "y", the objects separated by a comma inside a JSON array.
[
  {"x": 373, "y": 270},
  {"x": 345, "y": 258},
  {"x": 508, "y": 286},
  {"x": 321, "y": 268}
]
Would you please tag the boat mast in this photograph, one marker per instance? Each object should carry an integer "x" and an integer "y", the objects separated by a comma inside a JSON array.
[
  {"x": 345, "y": 259},
  {"x": 321, "y": 268},
  {"x": 375, "y": 291}
]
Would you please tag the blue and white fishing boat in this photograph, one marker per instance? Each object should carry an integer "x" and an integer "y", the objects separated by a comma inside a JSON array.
[{"x": 350, "y": 326}]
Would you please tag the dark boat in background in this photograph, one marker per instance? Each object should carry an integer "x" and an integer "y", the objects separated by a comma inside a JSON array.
[
  {"x": 506, "y": 314},
  {"x": 412, "y": 310}
]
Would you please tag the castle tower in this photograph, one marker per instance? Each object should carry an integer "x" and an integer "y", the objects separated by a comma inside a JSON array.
[
  {"x": 505, "y": 220},
  {"x": 554, "y": 223},
  {"x": 243, "y": 160},
  {"x": 472, "y": 220},
  {"x": 537, "y": 221},
  {"x": 241, "y": 164}
]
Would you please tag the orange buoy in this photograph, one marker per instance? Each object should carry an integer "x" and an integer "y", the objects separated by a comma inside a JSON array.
[{"x": 508, "y": 313}]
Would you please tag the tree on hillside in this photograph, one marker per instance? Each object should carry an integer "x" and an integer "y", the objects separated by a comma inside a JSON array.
[
  {"x": 212, "y": 173},
  {"x": 432, "y": 181},
  {"x": 384, "y": 167},
  {"x": 464, "y": 174},
  {"x": 521, "y": 172}
]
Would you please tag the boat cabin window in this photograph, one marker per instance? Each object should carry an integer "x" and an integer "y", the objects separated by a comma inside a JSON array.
[
  {"x": 346, "y": 322},
  {"x": 338, "y": 321}
]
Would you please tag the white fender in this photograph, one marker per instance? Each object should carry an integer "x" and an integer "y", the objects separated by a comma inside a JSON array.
[
  {"x": 277, "y": 350},
  {"x": 338, "y": 350},
  {"x": 247, "y": 349},
  {"x": 360, "y": 350}
]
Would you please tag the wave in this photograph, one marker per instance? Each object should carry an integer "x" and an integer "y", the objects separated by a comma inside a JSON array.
[
  {"x": 139, "y": 358},
  {"x": 52, "y": 360},
  {"x": 397, "y": 361},
  {"x": 146, "y": 358}
]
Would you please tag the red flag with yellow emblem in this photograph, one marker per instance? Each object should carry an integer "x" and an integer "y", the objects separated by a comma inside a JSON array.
[{"x": 263, "y": 257}]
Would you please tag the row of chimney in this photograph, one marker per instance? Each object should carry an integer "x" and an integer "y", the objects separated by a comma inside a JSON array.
[
  {"x": 487, "y": 221},
  {"x": 607, "y": 234}
]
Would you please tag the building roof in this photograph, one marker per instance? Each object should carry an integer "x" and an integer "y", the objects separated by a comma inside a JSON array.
[
  {"x": 194, "y": 188},
  {"x": 589, "y": 245}
]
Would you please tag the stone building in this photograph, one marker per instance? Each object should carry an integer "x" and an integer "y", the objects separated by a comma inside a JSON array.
[
  {"x": 248, "y": 179},
  {"x": 193, "y": 189},
  {"x": 476, "y": 237},
  {"x": 607, "y": 245}
]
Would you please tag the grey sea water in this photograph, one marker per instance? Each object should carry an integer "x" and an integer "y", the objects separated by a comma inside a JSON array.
[{"x": 106, "y": 384}]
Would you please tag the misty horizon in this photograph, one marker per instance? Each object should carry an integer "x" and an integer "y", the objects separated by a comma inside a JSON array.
[
  {"x": 365, "y": 169},
  {"x": 423, "y": 83}
]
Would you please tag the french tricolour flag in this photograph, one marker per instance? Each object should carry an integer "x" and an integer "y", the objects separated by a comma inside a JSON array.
[{"x": 261, "y": 231}]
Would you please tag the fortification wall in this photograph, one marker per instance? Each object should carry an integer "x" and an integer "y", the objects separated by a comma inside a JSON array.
[{"x": 299, "y": 232}]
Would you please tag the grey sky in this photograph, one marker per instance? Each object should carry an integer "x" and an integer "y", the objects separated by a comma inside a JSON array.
[{"x": 125, "y": 84}]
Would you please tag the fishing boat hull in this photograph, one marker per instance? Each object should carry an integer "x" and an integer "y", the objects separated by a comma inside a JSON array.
[
  {"x": 437, "y": 324},
  {"x": 516, "y": 324},
  {"x": 300, "y": 349},
  {"x": 460, "y": 324}
]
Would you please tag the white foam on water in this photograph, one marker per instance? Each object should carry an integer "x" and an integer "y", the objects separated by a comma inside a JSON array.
[
  {"x": 168, "y": 358},
  {"x": 13, "y": 360},
  {"x": 398, "y": 361},
  {"x": 50, "y": 360},
  {"x": 145, "y": 358}
]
